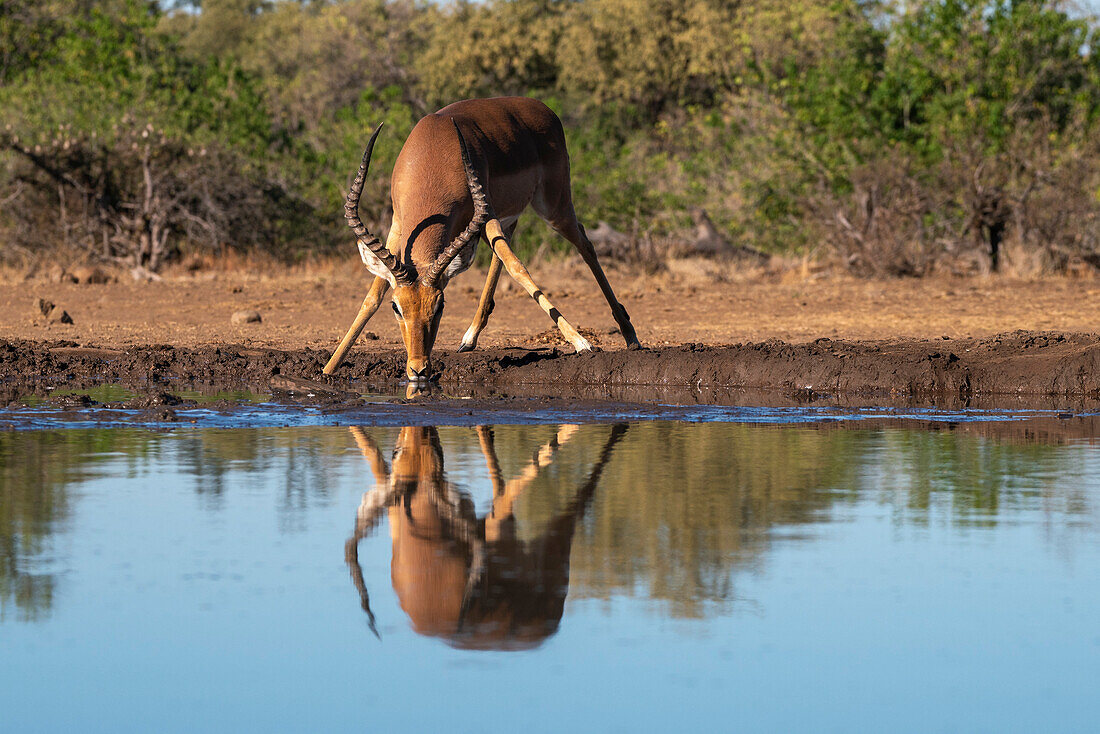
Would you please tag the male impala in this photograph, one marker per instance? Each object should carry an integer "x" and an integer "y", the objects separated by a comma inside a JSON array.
[
  {"x": 443, "y": 202},
  {"x": 472, "y": 582}
]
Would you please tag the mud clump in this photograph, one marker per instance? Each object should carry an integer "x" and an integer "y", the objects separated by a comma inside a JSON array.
[
  {"x": 74, "y": 402},
  {"x": 164, "y": 415},
  {"x": 157, "y": 399}
]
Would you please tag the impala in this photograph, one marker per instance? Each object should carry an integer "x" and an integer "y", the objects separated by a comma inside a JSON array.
[
  {"x": 470, "y": 581},
  {"x": 466, "y": 171}
]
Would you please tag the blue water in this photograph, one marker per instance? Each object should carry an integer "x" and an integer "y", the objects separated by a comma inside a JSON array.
[{"x": 719, "y": 577}]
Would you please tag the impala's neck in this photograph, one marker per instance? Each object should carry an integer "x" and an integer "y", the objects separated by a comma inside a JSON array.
[
  {"x": 418, "y": 455},
  {"x": 417, "y": 241}
]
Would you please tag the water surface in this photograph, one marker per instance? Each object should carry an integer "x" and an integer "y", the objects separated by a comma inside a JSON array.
[{"x": 603, "y": 577}]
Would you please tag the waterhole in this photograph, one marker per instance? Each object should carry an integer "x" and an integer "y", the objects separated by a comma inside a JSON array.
[{"x": 602, "y": 576}]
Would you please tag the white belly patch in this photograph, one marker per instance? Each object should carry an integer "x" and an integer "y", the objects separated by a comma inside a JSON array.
[{"x": 465, "y": 258}]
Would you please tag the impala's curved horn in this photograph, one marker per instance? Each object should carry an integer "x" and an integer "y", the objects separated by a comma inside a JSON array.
[
  {"x": 351, "y": 556},
  {"x": 401, "y": 274},
  {"x": 482, "y": 214}
]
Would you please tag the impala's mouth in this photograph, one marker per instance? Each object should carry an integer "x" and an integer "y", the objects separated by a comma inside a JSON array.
[{"x": 419, "y": 375}]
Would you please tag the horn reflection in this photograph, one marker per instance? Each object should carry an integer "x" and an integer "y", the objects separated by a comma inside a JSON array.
[{"x": 467, "y": 579}]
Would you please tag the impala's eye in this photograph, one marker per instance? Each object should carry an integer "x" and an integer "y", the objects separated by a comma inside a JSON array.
[{"x": 396, "y": 310}]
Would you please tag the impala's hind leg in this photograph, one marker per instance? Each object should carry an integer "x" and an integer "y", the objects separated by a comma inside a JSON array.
[
  {"x": 370, "y": 305},
  {"x": 486, "y": 304},
  {"x": 572, "y": 230},
  {"x": 515, "y": 268}
]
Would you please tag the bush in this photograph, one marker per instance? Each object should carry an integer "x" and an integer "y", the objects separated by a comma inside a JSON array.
[{"x": 121, "y": 149}]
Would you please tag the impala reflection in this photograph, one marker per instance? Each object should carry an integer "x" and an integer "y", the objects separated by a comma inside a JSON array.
[{"x": 470, "y": 580}]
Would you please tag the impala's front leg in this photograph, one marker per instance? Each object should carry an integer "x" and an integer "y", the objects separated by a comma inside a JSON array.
[
  {"x": 515, "y": 268},
  {"x": 488, "y": 450},
  {"x": 506, "y": 495},
  {"x": 484, "y": 306},
  {"x": 370, "y": 305}
]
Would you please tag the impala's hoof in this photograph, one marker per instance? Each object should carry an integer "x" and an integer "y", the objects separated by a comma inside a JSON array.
[
  {"x": 582, "y": 345},
  {"x": 634, "y": 346},
  {"x": 469, "y": 340}
]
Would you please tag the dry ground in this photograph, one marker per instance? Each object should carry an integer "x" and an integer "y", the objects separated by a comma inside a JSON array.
[{"x": 696, "y": 301}]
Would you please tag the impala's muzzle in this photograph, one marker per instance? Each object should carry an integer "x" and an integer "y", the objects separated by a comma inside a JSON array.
[{"x": 418, "y": 370}]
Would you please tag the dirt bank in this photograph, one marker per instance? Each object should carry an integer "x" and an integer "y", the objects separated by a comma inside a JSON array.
[
  {"x": 1063, "y": 366},
  {"x": 712, "y": 335}
]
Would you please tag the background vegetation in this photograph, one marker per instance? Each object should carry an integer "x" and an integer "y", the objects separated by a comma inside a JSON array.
[{"x": 893, "y": 139}]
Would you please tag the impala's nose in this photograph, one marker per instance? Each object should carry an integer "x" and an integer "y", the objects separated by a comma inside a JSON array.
[{"x": 418, "y": 370}]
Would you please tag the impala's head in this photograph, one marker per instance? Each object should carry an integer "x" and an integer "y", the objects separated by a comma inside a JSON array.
[
  {"x": 417, "y": 286},
  {"x": 418, "y": 308}
]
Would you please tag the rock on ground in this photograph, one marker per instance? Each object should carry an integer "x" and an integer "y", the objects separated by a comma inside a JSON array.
[
  {"x": 53, "y": 314},
  {"x": 246, "y": 317}
]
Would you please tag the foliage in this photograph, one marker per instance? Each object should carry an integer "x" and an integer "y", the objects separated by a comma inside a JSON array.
[
  {"x": 904, "y": 138},
  {"x": 120, "y": 145},
  {"x": 492, "y": 49}
]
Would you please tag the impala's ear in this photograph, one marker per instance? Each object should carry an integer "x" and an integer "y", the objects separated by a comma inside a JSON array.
[{"x": 375, "y": 264}]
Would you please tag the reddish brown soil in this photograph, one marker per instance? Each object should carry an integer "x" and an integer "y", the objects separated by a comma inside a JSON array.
[{"x": 698, "y": 303}]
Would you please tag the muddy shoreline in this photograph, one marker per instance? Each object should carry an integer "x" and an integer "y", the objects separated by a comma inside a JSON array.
[{"x": 1019, "y": 369}]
